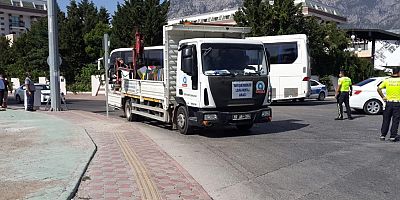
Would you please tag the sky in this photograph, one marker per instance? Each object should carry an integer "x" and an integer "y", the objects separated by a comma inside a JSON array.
[{"x": 111, "y": 5}]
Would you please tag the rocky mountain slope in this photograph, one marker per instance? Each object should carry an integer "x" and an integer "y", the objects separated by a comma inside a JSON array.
[{"x": 382, "y": 14}]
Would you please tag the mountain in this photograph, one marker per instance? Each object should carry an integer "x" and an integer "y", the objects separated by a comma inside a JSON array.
[{"x": 381, "y": 14}]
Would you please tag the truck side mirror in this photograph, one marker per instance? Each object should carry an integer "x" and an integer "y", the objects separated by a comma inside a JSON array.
[{"x": 188, "y": 60}]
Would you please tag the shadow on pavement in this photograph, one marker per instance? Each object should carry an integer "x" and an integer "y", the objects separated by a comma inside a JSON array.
[
  {"x": 304, "y": 103},
  {"x": 269, "y": 128}
]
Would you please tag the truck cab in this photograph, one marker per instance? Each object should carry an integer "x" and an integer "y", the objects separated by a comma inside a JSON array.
[{"x": 222, "y": 81}]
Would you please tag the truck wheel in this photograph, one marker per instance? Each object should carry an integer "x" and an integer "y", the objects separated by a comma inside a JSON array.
[
  {"x": 182, "y": 120},
  {"x": 245, "y": 127},
  {"x": 128, "y": 111}
]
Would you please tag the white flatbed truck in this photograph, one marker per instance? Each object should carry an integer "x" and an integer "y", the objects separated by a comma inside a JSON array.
[{"x": 211, "y": 76}]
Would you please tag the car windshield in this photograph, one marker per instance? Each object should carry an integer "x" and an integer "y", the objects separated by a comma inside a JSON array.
[
  {"x": 365, "y": 82},
  {"x": 42, "y": 87},
  {"x": 233, "y": 59}
]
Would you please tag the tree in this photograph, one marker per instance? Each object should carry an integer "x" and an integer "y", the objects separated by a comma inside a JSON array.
[
  {"x": 103, "y": 16},
  {"x": 30, "y": 52},
  {"x": 255, "y": 14},
  {"x": 283, "y": 17},
  {"x": 94, "y": 39},
  {"x": 4, "y": 53},
  {"x": 148, "y": 16},
  {"x": 88, "y": 15},
  {"x": 72, "y": 46}
]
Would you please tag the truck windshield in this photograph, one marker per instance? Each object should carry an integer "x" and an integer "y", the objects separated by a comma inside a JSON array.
[{"x": 233, "y": 59}]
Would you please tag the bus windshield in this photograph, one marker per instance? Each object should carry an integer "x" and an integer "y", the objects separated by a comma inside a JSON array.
[{"x": 233, "y": 59}]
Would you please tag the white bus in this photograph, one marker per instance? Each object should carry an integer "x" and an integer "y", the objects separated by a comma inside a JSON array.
[{"x": 290, "y": 66}]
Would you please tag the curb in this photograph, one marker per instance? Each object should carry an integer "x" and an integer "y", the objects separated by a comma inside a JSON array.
[{"x": 76, "y": 187}]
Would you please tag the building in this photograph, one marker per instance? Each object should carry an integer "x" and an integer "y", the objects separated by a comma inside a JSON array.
[
  {"x": 310, "y": 8},
  {"x": 381, "y": 47},
  {"x": 16, "y": 16}
]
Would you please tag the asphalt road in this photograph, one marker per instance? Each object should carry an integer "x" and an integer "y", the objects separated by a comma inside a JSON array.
[{"x": 302, "y": 154}]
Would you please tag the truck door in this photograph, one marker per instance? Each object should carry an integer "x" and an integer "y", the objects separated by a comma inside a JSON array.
[{"x": 188, "y": 86}]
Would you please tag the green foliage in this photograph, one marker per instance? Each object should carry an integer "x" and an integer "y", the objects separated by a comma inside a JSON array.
[
  {"x": 148, "y": 16},
  {"x": 326, "y": 80},
  {"x": 4, "y": 53},
  {"x": 94, "y": 39},
  {"x": 83, "y": 79},
  {"x": 281, "y": 18},
  {"x": 326, "y": 42}
]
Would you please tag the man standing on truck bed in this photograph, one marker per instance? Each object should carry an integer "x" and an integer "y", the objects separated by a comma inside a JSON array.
[{"x": 343, "y": 93}]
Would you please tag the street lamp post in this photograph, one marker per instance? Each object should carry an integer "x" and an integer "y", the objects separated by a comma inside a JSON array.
[{"x": 53, "y": 59}]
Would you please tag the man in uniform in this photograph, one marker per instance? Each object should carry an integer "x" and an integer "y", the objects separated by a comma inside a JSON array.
[
  {"x": 392, "y": 109},
  {"x": 343, "y": 93}
]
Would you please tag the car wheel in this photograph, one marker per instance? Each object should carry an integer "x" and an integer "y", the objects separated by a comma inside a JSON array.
[
  {"x": 373, "y": 107},
  {"x": 182, "y": 121},
  {"x": 18, "y": 99},
  {"x": 321, "y": 96}
]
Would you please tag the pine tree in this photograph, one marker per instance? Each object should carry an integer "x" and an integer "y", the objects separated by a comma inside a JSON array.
[
  {"x": 148, "y": 16},
  {"x": 72, "y": 46},
  {"x": 103, "y": 16},
  {"x": 283, "y": 17},
  {"x": 88, "y": 15}
]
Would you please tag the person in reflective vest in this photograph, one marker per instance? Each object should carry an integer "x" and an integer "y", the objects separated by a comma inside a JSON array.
[
  {"x": 392, "y": 109},
  {"x": 343, "y": 93}
]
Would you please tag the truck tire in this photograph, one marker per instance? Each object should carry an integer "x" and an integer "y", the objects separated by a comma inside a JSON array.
[
  {"x": 128, "y": 111},
  {"x": 245, "y": 127},
  {"x": 182, "y": 120}
]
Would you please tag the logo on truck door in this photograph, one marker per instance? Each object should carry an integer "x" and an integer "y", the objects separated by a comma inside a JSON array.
[
  {"x": 260, "y": 87},
  {"x": 184, "y": 82}
]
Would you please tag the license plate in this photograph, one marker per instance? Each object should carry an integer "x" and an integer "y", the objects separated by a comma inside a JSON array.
[{"x": 241, "y": 117}]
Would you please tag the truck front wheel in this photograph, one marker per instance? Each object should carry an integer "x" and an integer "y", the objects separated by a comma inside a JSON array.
[
  {"x": 182, "y": 120},
  {"x": 244, "y": 127}
]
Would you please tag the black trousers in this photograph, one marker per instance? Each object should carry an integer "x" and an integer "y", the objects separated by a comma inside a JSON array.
[
  {"x": 1, "y": 97},
  {"x": 391, "y": 113},
  {"x": 343, "y": 97},
  {"x": 30, "y": 100}
]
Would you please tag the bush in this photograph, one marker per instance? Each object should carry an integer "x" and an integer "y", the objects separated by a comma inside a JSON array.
[
  {"x": 326, "y": 80},
  {"x": 83, "y": 81}
]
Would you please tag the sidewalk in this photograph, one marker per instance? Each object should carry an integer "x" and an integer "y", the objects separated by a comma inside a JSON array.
[
  {"x": 41, "y": 156},
  {"x": 129, "y": 165}
]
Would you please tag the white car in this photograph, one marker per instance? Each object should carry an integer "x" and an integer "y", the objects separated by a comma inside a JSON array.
[
  {"x": 365, "y": 97},
  {"x": 318, "y": 90},
  {"x": 19, "y": 93}
]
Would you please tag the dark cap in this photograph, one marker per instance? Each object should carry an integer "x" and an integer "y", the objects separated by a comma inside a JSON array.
[{"x": 396, "y": 70}]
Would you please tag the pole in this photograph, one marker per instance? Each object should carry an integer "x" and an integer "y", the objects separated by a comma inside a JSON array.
[
  {"x": 53, "y": 60},
  {"x": 106, "y": 64}
]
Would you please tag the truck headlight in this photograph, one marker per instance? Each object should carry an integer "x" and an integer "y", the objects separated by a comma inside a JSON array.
[
  {"x": 266, "y": 113},
  {"x": 210, "y": 117}
]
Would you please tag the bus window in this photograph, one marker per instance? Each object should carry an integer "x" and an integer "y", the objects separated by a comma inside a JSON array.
[
  {"x": 282, "y": 53},
  {"x": 154, "y": 57},
  {"x": 127, "y": 56}
]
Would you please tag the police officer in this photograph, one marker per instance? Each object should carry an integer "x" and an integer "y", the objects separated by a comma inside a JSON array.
[
  {"x": 392, "y": 110},
  {"x": 343, "y": 93}
]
